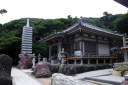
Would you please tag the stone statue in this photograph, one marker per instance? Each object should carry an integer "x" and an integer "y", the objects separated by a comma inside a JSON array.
[{"x": 33, "y": 62}]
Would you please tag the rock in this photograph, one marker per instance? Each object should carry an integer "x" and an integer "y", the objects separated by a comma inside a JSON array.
[
  {"x": 5, "y": 79},
  {"x": 42, "y": 70},
  {"x": 68, "y": 70},
  {"x": 25, "y": 61},
  {"x": 121, "y": 66},
  {"x": 116, "y": 73},
  {"x": 54, "y": 68},
  {"x": 126, "y": 73},
  {"x": 60, "y": 79},
  {"x": 5, "y": 70},
  {"x": 5, "y": 64}
]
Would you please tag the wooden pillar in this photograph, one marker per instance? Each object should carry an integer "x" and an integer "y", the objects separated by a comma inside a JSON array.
[
  {"x": 96, "y": 46},
  {"x": 83, "y": 49},
  {"x": 125, "y": 50},
  {"x": 110, "y": 61},
  {"x": 81, "y": 62},
  {"x": 88, "y": 61},
  {"x": 71, "y": 48},
  {"x": 59, "y": 50},
  {"x": 67, "y": 61},
  {"x": 97, "y": 61},
  {"x": 74, "y": 61},
  {"x": 104, "y": 61},
  {"x": 50, "y": 49}
]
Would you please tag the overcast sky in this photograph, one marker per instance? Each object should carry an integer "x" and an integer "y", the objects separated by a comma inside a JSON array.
[{"x": 51, "y": 9}]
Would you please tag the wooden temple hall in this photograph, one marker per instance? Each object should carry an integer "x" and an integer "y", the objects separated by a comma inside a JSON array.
[{"x": 83, "y": 43}]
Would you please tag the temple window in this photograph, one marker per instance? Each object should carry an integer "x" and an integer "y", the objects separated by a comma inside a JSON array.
[
  {"x": 77, "y": 46},
  {"x": 90, "y": 47}
]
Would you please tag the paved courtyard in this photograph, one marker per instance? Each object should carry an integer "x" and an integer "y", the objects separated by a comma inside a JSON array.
[
  {"x": 105, "y": 74},
  {"x": 21, "y": 78}
]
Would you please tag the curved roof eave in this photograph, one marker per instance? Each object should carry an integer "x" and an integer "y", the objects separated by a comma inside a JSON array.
[
  {"x": 100, "y": 29},
  {"x": 80, "y": 22}
]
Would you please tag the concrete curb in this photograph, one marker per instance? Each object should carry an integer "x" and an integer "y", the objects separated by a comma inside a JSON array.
[{"x": 104, "y": 81}]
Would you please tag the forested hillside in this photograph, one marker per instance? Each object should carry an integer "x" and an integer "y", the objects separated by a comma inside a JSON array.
[{"x": 11, "y": 32}]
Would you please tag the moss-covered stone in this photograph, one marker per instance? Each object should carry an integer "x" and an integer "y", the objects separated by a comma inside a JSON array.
[
  {"x": 74, "y": 69},
  {"x": 121, "y": 67}
]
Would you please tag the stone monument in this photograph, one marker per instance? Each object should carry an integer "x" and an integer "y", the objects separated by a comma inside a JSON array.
[
  {"x": 121, "y": 69},
  {"x": 26, "y": 47},
  {"x": 27, "y": 39}
]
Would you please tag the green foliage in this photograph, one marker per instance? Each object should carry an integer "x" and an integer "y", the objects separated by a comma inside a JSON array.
[
  {"x": 94, "y": 21},
  {"x": 121, "y": 24},
  {"x": 41, "y": 48},
  {"x": 117, "y": 22},
  {"x": 11, "y": 32},
  {"x": 2, "y": 11}
]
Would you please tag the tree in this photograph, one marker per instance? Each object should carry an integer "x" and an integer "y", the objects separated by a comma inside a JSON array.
[
  {"x": 122, "y": 24},
  {"x": 2, "y": 11}
]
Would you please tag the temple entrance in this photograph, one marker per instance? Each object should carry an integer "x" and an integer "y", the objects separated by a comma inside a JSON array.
[
  {"x": 90, "y": 48},
  {"x": 54, "y": 53}
]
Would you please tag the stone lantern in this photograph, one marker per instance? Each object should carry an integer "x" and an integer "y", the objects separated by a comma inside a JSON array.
[
  {"x": 39, "y": 57},
  {"x": 63, "y": 55}
]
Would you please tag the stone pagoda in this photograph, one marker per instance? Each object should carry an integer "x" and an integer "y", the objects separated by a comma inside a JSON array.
[{"x": 27, "y": 39}]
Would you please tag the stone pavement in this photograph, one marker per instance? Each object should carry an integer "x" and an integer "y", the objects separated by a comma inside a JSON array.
[
  {"x": 21, "y": 78},
  {"x": 101, "y": 75},
  {"x": 94, "y": 73}
]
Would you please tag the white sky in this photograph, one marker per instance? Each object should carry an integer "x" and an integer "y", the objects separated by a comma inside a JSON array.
[{"x": 50, "y": 9}]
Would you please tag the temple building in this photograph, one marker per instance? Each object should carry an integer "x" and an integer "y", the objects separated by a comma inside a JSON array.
[
  {"x": 83, "y": 43},
  {"x": 27, "y": 39},
  {"x": 123, "y": 2}
]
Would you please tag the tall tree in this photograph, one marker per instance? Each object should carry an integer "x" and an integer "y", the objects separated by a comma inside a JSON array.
[{"x": 2, "y": 11}]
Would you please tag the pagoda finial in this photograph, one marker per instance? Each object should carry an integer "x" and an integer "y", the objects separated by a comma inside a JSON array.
[{"x": 27, "y": 23}]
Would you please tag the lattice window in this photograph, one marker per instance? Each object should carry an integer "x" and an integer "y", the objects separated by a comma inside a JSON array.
[
  {"x": 90, "y": 47},
  {"x": 77, "y": 46}
]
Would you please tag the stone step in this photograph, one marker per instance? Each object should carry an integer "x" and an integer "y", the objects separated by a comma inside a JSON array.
[{"x": 96, "y": 82}]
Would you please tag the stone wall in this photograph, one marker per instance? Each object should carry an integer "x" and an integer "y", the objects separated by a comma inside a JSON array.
[{"x": 74, "y": 69}]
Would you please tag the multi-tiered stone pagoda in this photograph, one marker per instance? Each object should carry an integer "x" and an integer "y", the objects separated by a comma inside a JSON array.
[{"x": 27, "y": 39}]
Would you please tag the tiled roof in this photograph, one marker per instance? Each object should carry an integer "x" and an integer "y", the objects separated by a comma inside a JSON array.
[{"x": 81, "y": 22}]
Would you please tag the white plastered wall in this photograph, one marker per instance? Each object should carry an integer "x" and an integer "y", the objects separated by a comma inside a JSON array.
[{"x": 103, "y": 49}]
